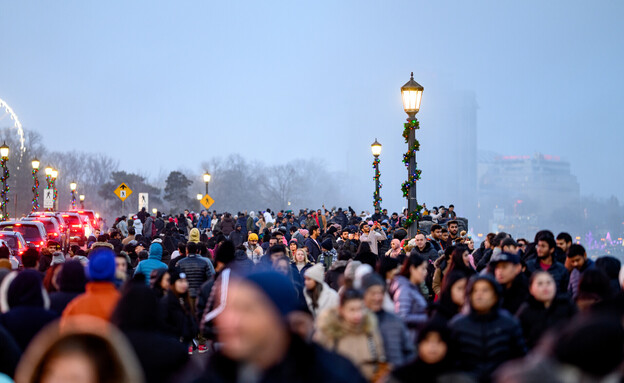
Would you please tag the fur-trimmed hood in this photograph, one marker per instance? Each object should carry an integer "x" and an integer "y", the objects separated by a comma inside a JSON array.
[{"x": 335, "y": 328}]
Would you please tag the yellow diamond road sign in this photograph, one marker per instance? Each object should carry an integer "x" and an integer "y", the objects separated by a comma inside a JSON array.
[
  {"x": 123, "y": 191},
  {"x": 207, "y": 201}
]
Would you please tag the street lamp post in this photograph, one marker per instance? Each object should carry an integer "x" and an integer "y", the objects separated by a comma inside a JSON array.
[
  {"x": 48, "y": 174},
  {"x": 72, "y": 187},
  {"x": 82, "y": 198},
  {"x": 55, "y": 194},
  {"x": 207, "y": 178},
  {"x": 4, "y": 157},
  {"x": 411, "y": 93},
  {"x": 35, "y": 189},
  {"x": 376, "y": 149}
]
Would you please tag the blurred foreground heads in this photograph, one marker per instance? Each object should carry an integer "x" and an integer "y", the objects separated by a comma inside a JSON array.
[
  {"x": 84, "y": 351},
  {"x": 257, "y": 343}
]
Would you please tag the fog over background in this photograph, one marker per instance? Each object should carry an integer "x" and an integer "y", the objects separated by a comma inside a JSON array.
[{"x": 161, "y": 86}]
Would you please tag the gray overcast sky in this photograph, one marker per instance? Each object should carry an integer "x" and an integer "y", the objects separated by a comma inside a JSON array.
[{"x": 323, "y": 77}]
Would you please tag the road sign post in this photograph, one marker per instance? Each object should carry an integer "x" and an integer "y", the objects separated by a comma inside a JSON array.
[
  {"x": 207, "y": 201},
  {"x": 48, "y": 199},
  {"x": 122, "y": 192}
]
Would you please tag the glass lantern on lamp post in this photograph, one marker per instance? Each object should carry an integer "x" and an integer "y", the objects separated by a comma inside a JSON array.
[{"x": 411, "y": 93}]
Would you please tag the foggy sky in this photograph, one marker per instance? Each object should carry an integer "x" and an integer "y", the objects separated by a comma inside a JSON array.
[{"x": 278, "y": 80}]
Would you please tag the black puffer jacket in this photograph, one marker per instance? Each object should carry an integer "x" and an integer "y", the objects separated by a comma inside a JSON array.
[
  {"x": 535, "y": 318},
  {"x": 483, "y": 342},
  {"x": 516, "y": 295},
  {"x": 177, "y": 317},
  {"x": 197, "y": 272},
  {"x": 302, "y": 363}
]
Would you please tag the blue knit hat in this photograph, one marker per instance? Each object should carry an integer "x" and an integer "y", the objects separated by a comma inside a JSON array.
[
  {"x": 277, "y": 288},
  {"x": 102, "y": 264}
]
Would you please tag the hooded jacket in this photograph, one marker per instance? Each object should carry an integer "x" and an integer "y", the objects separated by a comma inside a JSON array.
[
  {"x": 194, "y": 235},
  {"x": 137, "y": 317},
  {"x": 429, "y": 253},
  {"x": 483, "y": 342},
  {"x": 72, "y": 280},
  {"x": 27, "y": 304},
  {"x": 94, "y": 336},
  {"x": 328, "y": 299},
  {"x": 361, "y": 345},
  {"x": 154, "y": 261}
]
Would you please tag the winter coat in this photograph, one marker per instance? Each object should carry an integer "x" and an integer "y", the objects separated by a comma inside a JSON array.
[
  {"x": 194, "y": 235},
  {"x": 328, "y": 258},
  {"x": 123, "y": 228},
  {"x": 484, "y": 342},
  {"x": 361, "y": 345},
  {"x": 514, "y": 296},
  {"x": 177, "y": 317},
  {"x": 314, "y": 248},
  {"x": 138, "y": 226},
  {"x": 242, "y": 220},
  {"x": 147, "y": 228},
  {"x": 485, "y": 259},
  {"x": 27, "y": 306},
  {"x": 154, "y": 261},
  {"x": 327, "y": 300},
  {"x": 429, "y": 253},
  {"x": 442, "y": 266},
  {"x": 575, "y": 278},
  {"x": 409, "y": 304},
  {"x": 227, "y": 225},
  {"x": 335, "y": 272},
  {"x": 558, "y": 271},
  {"x": 237, "y": 237},
  {"x": 198, "y": 270},
  {"x": 299, "y": 273},
  {"x": 99, "y": 300},
  {"x": 10, "y": 353},
  {"x": 137, "y": 315},
  {"x": 417, "y": 370},
  {"x": 60, "y": 299},
  {"x": 203, "y": 222},
  {"x": 397, "y": 344},
  {"x": 302, "y": 363},
  {"x": 535, "y": 318},
  {"x": 71, "y": 280}
]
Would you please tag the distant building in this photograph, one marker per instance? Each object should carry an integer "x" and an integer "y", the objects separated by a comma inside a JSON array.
[
  {"x": 524, "y": 187},
  {"x": 448, "y": 155}
]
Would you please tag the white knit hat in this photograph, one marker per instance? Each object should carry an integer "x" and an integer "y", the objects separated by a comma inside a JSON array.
[{"x": 316, "y": 272}]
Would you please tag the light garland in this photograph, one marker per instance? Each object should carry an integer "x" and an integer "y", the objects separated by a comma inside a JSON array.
[
  {"x": 376, "y": 195},
  {"x": 4, "y": 196},
  {"x": 35, "y": 190},
  {"x": 408, "y": 127}
]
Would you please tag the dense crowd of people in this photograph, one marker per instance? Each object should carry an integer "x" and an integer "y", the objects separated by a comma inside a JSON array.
[{"x": 314, "y": 296}]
